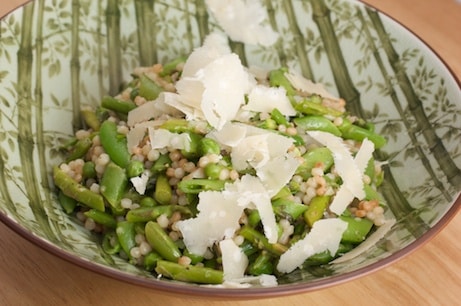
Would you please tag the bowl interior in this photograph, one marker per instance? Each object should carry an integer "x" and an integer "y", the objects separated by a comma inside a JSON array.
[{"x": 56, "y": 57}]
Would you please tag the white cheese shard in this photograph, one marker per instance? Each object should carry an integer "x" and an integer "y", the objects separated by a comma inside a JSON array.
[
  {"x": 234, "y": 261},
  {"x": 244, "y": 21},
  {"x": 151, "y": 110},
  {"x": 161, "y": 138},
  {"x": 137, "y": 133},
  {"x": 344, "y": 196},
  {"x": 265, "y": 99},
  {"x": 140, "y": 182},
  {"x": 345, "y": 165},
  {"x": 218, "y": 218},
  {"x": 325, "y": 235},
  {"x": 277, "y": 172},
  {"x": 371, "y": 241},
  {"x": 226, "y": 82},
  {"x": 213, "y": 86},
  {"x": 251, "y": 193},
  {"x": 302, "y": 84}
]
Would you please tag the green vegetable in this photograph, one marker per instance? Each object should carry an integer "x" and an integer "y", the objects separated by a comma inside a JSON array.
[
  {"x": 317, "y": 123},
  {"x": 113, "y": 185},
  {"x": 161, "y": 242},
  {"x": 78, "y": 192},
  {"x": 80, "y": 148},
  {"x": 163, "y": 192},
  {"x": 126, "y": 234},
  {"x": 190, "y": 274},
  {"x": 313, "y": 158},
  {"x": 284, "y": 207},
  {"x": 355, "y": 132},
  {"x": 263, "y": 264},
  {"x": 114, "y": 143},
  {"x": 198, "y": 185},
  {"x": 315, "y": 209},
  {"x": 357, "y": 229},
  {"x": 101, "y": 217},
  {"x": 148, "y": 89},
  {"x": 117, "y": 105},
  {"x": 258, "y": 239},
  {"x": 68, "y": 204}
]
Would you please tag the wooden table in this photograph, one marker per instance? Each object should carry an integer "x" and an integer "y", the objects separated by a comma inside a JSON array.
[{"x": 429, "y": 276}]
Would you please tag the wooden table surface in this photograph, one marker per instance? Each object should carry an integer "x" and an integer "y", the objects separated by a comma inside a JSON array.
[{"x": 429, "y": 276}]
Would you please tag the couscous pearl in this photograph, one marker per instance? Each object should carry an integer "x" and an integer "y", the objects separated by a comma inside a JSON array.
[
  {"x": 163, "y": 221},
  {"x": 174, "y": 236},
  {"x": 184, "y": 261},
  {"x": 145, "y": 248},
  {"x": 238, "y": 240},
  {"x": 135, "y": 252},
  {"x": 90, "y": 224},
  {"x": 153, "y": 155},
  {"x": 126, "y": 203}
]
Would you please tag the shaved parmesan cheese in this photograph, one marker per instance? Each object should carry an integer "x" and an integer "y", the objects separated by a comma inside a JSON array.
[
  {"x": 250, "y": 190},
  {"x": 140, "y": 182},
  {"x": 234, "y": 261},
  {"x": 277, "y": 173},
  {"x": 214, "y": 46},
  {"x": 137, "y": 133},
  {"x": 265, "y": 99},
  {"x": 305, "y": 85},
  {"x": 230, "y": 135},
  {"x": 243, "y": 20},
  {"x": 344, "y": 162},
  {"x": 151, "y": 110},
  {"x": 325, "y": 235},
  {"x": 161, "y": 138},
  {"x": 344, "y": 196},
  {"x": 371, "y": 241},
  {"x": 226, "y": 82},
  {"x": 218, "y": 218}
]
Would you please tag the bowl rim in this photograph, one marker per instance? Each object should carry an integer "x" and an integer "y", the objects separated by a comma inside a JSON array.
[{"x": 256, "y": 292}]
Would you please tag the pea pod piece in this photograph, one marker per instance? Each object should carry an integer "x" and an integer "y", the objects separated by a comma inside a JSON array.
[
  {"x": 114, "y": 144},
  {"x": 190, "y": 274},
  {"x": 67, "y": 203},
  {"x": 145, "y": 214},
  {"x": 317, "y": 123},
  {"x": 73, "y": 189},
  {"x": 117, "y": 105},
  {"x": 148, "y": 89},
  {"x": 278, "y": 117},
  {"x": 315, "y": 209},
  {"x": 89, "y": 170},
  {"x": 209, "y": 146},
  {"x": 177, "y": 125},
  {"x": 163, "y": 192},
  {"x": 161, "y": 164},
  {"x": 113, "y": 185},
  {"x": 126, "y": 234},
  {"x": 150, "y": 260},
  {"x": 325, "y": 256},
  {"x": 110, "y": 243},
  {"x": 161, "y": 242},
  {"x": 134, "y": 168},
  {"x": 194, "y": 146},
  {"x": 357, "y": 229}
]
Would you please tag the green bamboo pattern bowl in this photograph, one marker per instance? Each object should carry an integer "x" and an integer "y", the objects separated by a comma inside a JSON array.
[{"x": 58, "y": 55}]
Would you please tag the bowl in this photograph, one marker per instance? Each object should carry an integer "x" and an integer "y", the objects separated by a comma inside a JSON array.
[{"x": 56, "y": 57}]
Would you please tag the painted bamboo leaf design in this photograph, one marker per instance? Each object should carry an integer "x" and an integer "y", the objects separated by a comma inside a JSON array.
[
  {"x": 273, "y": 22},
  {"x": 75, "y": 65},
  {"x": 146, "y": 31},
  {"x": 189, "y": 34},
  {"x": 435, "y": 144},
  {"x": 300, "y": 45},
  {"x": 346, "y": 88},
  {"x": 398, "y": 106},
  {"x": 239, "y": 49},
  {"x": 201, "y": 14},
  {"x": 25, "y": 134},
  {"x": 395, "y": 199},
  {"x": 114, "y": 46}
]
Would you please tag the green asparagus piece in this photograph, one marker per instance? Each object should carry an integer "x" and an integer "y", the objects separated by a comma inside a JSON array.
[
  {"x": 91, "y": 119},
  {"x": 357, "y": 229},
  {"x": 317, "y": 123},
  {"x": 258, "y": 239},
  {"x": 355, "y": 132},
  {"x": 315, "y": 209},
  {"x": 73, "y": 189},
  {"x": 126, "y": 234},
  {"x": 190, "y": 274},
  {"x": 313, "y": 158},
  {"x": 284, "y": 207},
  {"x": 263, "y": 264},
  {"x": 80, "y": 149},
  {"x": 196, "y": 186},
  {"x": 277, "y": 78},
  {"x": 101, "y": 217},
  {"x": 117, "y": 105},
  {"x": 68, "y": 204}
]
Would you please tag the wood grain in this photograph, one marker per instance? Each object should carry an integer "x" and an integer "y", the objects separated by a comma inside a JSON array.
[{"x": 429, "y": 276}]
